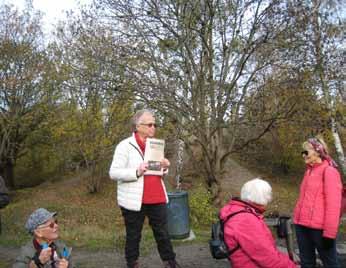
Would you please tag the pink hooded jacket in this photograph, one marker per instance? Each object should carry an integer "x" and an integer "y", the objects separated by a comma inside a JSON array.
[
  {"x": 250, "y": 232},
  {"x": 319, "y": 201}
]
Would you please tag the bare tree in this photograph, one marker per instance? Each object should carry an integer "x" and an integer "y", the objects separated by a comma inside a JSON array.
[
  {"x": 195, "y": 61},
  {"x": 323, "y": 28},
  {"x": 24, "y": 92},
  {"x": 90, "y": 61}
]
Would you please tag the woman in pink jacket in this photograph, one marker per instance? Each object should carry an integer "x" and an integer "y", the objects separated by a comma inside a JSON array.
[
  {"x": 249, "y": 233},
  {"x": 317, "y": 212}
]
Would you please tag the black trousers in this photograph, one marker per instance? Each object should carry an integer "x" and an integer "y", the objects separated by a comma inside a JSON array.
[
  {"x": 157, "y": 215},
  {"x": 308, "y": 241}
]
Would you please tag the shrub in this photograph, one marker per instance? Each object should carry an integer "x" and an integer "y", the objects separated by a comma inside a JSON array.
[{"x": 202, "y": 210}]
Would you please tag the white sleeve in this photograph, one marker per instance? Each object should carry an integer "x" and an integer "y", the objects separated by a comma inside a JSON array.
[{"x": 120, "y": 168}]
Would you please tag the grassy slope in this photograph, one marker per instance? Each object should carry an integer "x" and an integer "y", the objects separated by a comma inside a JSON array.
[
  {"x": 84, "y": 219},
  {"x": 94, "y": 220}
]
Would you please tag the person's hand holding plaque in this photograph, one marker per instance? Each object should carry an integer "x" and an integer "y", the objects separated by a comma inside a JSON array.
[
  {"x": 165, "y": 164},
  {"x": 141, "y": 169}
]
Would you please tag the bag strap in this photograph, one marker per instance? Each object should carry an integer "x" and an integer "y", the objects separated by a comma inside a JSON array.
[
  {"x": 248, "y": 210},
  {"x": 223, "y": 222}
]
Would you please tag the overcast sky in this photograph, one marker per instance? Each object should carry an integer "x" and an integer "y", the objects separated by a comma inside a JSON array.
[{"x": 53, "y": 9}]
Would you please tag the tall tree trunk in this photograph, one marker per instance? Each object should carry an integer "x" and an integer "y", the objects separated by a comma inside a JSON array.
[
  {"x": 325, "y": 88},
  {"x": 338, "y": 148}
]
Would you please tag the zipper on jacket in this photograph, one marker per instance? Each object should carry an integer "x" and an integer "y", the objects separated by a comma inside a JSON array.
[
  {"x": 303, "y": 197},
  {"x": 137, "y": 150}
]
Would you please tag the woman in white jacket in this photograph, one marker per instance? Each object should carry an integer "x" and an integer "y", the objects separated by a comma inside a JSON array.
[{"x": 141, "y": 195}]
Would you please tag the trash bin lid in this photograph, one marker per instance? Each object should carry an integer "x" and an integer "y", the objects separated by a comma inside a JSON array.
[{"x": 176, "y": 194}]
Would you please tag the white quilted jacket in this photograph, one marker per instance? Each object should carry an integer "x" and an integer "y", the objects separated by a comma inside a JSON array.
[{"x": 127, "y": 157}]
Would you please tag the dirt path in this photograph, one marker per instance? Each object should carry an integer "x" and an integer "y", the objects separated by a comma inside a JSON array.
[
  {"x": 237, "y": 176},
  {"x": 233, "y": 180},
  {"x": 188, "y": 256}
]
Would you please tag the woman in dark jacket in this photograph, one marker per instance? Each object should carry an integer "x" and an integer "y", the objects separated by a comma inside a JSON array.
[{"x": 4, "y": 198}]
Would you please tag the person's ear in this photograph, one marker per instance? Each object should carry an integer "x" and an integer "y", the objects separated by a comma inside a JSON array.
[{"x": 37, "y": 233}]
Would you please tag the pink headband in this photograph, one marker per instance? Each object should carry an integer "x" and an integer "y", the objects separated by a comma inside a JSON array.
[{"x": 318, "y": 147}]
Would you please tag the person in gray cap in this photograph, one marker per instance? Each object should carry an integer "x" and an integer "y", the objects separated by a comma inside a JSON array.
[{"x": 44, "y": 250}]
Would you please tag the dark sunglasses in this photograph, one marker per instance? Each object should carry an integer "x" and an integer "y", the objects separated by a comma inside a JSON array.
[
  {"x": 150, "y": 125},
  {"x": 305, "y": 153},
  {"x": 51, "y": 225}
]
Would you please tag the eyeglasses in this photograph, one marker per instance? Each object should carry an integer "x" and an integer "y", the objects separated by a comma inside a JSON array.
[
  {"x": 150, "y": 125},
  {"x": 305, "y": 153},
  {"x": 51, "y": 225}
]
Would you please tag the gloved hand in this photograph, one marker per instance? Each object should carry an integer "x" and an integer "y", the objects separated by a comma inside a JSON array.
[{"x": 327, "y": 243}]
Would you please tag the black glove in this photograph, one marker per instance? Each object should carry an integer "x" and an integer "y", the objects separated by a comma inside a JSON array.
[{"x": 327, "y": 243}]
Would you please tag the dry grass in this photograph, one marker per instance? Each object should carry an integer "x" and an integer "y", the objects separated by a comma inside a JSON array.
[
  {"x": 84, "y": 219},
  {"x": 94, "y": 220},
  {"x": 285, "y": 194}
]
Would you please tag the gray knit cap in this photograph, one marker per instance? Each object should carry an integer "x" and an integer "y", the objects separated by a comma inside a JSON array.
[{"x": 38, "y": 217}]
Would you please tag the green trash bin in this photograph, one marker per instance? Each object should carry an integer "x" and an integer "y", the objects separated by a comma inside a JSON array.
[{"x": 178, "y": 215}]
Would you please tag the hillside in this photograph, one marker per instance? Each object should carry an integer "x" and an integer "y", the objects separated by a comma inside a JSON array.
[
  {"x": 94, "y": 220},
  {"x": 92, "y": 223}
]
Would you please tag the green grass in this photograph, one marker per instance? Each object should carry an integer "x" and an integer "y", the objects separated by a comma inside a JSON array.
[
  {"x": 94, "y": 221},
  {"x": 3, "y": 264},
  {"x": 90, "y": 221},
  {"x": 85, "y": 220}
]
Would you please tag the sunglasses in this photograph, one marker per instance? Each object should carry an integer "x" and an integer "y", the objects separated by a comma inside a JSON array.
[
  {"x": 305, "y": 153},
  {"x": 51, "y": 225},
  {"x": 150, "y": 125}
]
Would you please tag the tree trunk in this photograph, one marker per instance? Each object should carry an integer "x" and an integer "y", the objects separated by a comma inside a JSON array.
[
  {"x": 330, "y": 105},
  {"x": 338, "y": 147},
  {"x": 215, "y": 167}
]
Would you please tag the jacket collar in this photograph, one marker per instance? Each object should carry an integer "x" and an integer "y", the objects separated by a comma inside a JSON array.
[
  {"x": 248, "y": 205},
  {"x": 316, "y": 165},
  {"x": 133, "y": 142}
]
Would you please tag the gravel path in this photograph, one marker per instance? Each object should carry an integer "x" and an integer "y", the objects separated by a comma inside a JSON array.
[{"x": 188, "y": 256}]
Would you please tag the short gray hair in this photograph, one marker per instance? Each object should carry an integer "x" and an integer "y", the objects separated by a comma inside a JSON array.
[
  {"x": 138, "y": 114},
  {"x": 256, "y": 191}
]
